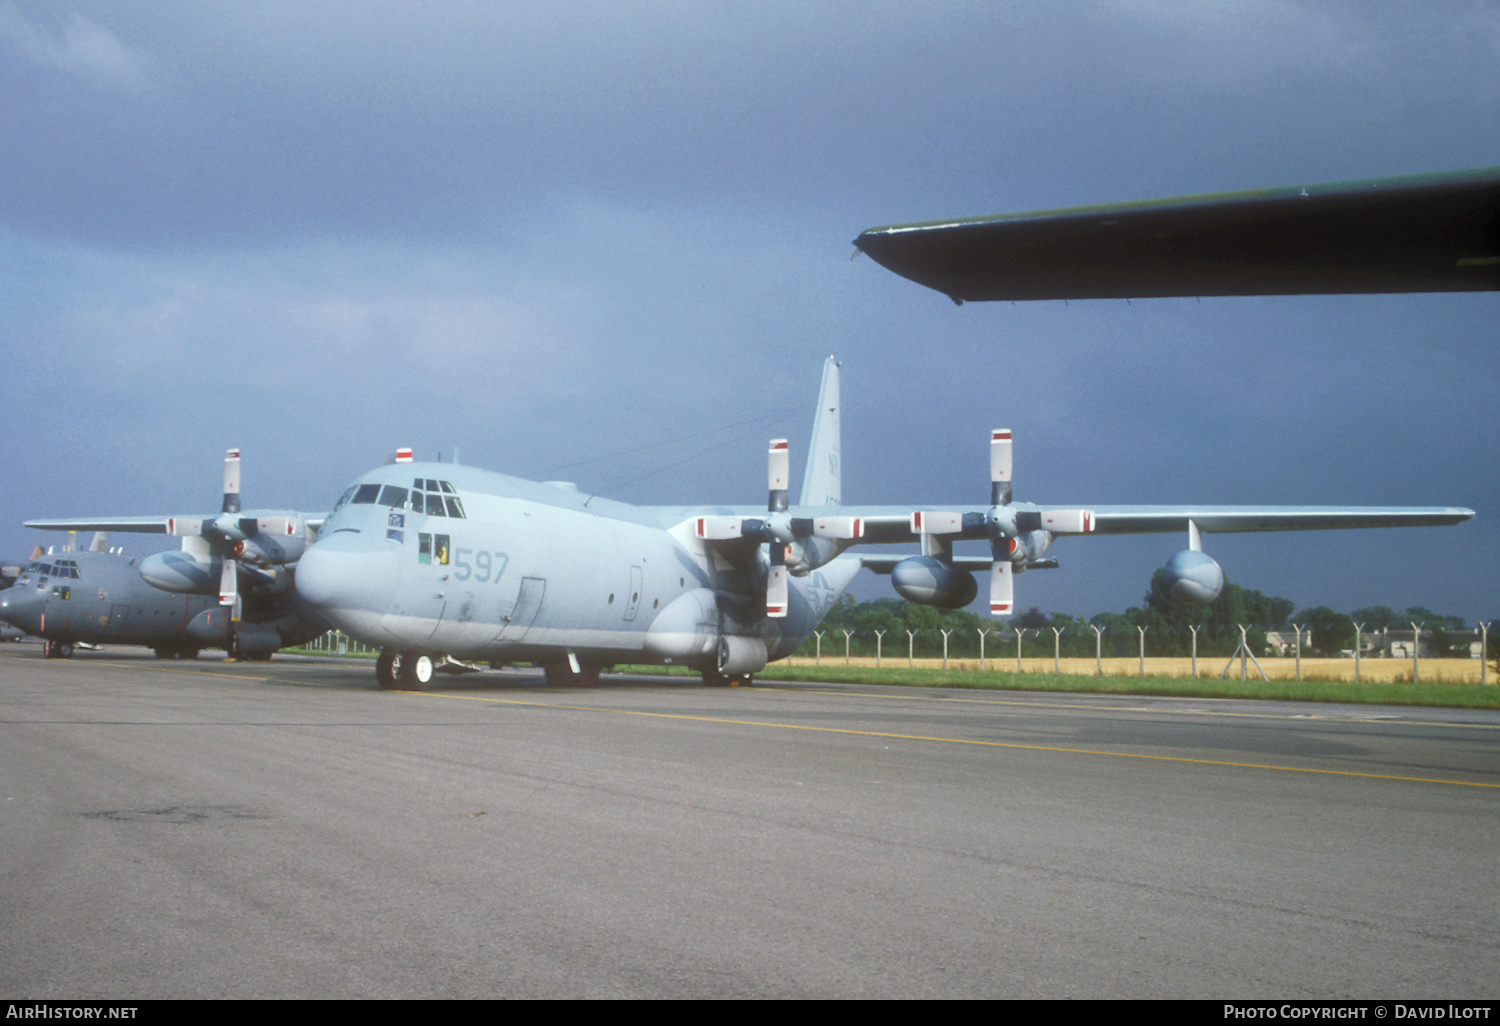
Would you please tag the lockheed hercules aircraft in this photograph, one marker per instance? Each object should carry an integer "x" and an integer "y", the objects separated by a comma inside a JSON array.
[
  {"x": 433, "y": 562},
  {"x": 94, "y": 597},
  {"x": 175, "y": 602}
]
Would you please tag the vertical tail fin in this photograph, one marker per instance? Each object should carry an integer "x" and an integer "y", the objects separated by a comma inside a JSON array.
[{"x": 822, "y": 483}]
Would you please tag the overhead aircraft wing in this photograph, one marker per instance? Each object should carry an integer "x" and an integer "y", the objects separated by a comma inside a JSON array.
[{"x": 1435, "y": 232}]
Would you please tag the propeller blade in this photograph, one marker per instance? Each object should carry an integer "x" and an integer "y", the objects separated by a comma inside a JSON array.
[
  {"x": 229, "y": 586},
  {"x": 933, "y": 522},
  {"x": 184, "y": 527},
  {"x": 839, "y": 528},
  {"x": 1002, "y": 588},
  {"x": 1000, "y": 467},
  {"x": 232, "y": 481},
  {"x": 1068, "y": 521},
  {"x": 776, "y": 583},
  {"x": 777, "y": 470},
  {"x": 718, "y": 528}
]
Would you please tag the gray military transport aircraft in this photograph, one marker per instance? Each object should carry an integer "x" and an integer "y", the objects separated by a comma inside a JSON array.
[
  {"x": 435, "y": 562},
  {"x": 176, "y": 603}
]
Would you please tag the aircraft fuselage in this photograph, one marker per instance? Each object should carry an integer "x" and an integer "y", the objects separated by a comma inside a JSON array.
[
  {"x": 536, "y": 572},
  {"x": 101, "y": 598}
]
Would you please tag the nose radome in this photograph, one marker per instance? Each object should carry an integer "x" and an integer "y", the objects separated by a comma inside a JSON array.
[
  {"x": 20, "y": 607},
  {"x": 348, "y": 574}
]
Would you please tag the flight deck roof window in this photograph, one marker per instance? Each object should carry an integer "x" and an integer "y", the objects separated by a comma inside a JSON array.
[
  {"x": 366, "y": 494},
  {"x": 435, "y": 498}
]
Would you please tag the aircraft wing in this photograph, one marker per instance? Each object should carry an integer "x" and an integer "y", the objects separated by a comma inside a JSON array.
[
  {"x": 1414, "y": 233},
  {"x": 148, "y": 525},
  {"x": 135, "y": 525},
  {"x": 882, "y": 526}
]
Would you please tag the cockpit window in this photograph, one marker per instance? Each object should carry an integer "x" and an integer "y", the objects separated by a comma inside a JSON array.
[
  {"x": 345, "y": 497},
  {"x": 435, "y": 499},
  {"x": 393, "y": 496},
  {"x": 366, "y": 494},
  {"x": 62, "y": 568}
]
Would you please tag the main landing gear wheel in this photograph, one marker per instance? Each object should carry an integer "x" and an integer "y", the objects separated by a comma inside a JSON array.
[
  {"x": 388, "y": 670},
  {"x": 562, "y": 675},
  {"x": 714, "y": 679},
  {"x": 57, "y": 649},
  {"x": 416, "y": 670}
]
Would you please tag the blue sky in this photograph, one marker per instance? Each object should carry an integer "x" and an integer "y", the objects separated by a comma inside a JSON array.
[{"x": 545, "y": 234}]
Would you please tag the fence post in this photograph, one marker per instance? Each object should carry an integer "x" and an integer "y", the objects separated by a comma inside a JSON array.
[
  {"x": 818, "y": 658},
  {"x": 1299, "y": 652},
  {"x": 1416, "y": 653},
  {"x": 1019, "y": 631},
  {"x": 878, "y": 636},
  {"x": 911, "y": 639},
  {"x": 982, "y": 632},
  {"x": 1142, "y": 671},
  {"x": 1484, "y": 653},
  {"x": 1056, "y": 648},
  {"x": 1098, "y": 650},
  {"x": 846, "y": 648},
  {"x": 1195, "y": 628},
  {"x": 945, "y": 645},
  {"x": 1357, "y": 629}
]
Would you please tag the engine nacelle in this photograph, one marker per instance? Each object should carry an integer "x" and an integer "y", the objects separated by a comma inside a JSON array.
[
  {"x": 931, "y": 582},
  {"x": 181, "y": 572},
  {"x": 740, "y": 655},
  {"x": 276, "y": 541},
  {"x": 1193, "y": 577}
]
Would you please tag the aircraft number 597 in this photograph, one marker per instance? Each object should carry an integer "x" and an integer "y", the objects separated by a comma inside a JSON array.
[{"x": 484, "y": 565}]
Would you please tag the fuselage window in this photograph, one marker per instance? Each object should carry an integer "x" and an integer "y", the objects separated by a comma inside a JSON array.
[
  {"x": 440, "y": 549},
  {"x": 446, "y": 487},
  {"x": 392, "y": 496},
  {"x": 424, "y": 548},
  {"x": 454, "y": 509},
  {"x": 366, "y": 494}
]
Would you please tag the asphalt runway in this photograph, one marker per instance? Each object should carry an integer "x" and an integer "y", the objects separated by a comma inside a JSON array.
[{"x": 285, "y": 829}]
